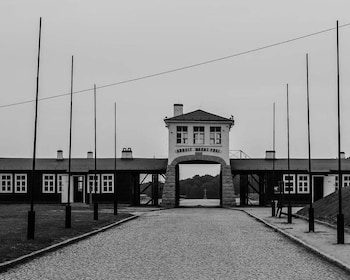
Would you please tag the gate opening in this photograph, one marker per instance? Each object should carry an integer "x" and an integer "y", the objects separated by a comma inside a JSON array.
[{"x": 199, "y": 185}]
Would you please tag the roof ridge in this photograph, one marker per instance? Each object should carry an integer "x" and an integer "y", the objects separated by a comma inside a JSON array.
[{"x": 199, "y": 115}]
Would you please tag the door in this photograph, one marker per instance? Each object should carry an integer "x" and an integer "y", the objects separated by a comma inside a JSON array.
[
  {"x": 63, "y": 188},
  {"x": 318, "y": 188},
  {"x": 78, "y": 186}
]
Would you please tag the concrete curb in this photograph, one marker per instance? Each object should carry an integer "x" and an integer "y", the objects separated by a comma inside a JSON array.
[
  {"x": 320, "y": 222},
  {"x": 312, "y": 249},
  {"x": 6, "y": 265}
]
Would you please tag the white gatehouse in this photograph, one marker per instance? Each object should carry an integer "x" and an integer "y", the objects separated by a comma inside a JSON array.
[{"x": 197, "y": 137}]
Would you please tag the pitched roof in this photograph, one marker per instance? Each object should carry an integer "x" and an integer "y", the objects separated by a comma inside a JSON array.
[
  {"x": 318, "y": 165},
  {"x": 160, "y": 164},
  {"x": 199, "y": 115},
  {"x": 84, "y": 165}
]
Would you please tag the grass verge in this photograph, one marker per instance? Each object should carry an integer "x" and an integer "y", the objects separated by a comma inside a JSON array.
[{"x": 49, "y": 227}]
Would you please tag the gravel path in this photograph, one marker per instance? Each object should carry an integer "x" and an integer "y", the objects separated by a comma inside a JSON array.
[{"x": 195, "y": 243}]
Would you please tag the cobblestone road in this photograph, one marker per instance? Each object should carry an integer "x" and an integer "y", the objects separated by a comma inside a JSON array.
[{"x": 195, "y": 243}]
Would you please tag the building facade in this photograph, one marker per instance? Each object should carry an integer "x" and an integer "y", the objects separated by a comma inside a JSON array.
[{"x": 195, "y": 137}]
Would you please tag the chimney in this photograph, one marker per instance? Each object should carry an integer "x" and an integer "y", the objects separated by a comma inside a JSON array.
[
  {"x": 178, "y": 110},
  {"x": 90, "y": 155},
  {"x": 59, "y": 155},
  {"x": 270, "y": 155},
  {"x": 342, "y": 155},
  {"x": 126, "y": 153}
]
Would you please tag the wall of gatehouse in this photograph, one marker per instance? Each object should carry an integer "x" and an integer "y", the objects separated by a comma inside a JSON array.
[{"x": 220, "y": 150}]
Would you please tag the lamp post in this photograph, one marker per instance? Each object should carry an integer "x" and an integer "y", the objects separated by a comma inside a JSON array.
[
  {"x": 95, "y": 175},
  {"x": 289, "y": 214},
  {"x": 273, "y": 205},
  {"x": 115, "y": 161},
  {"x": 68, "y": 206},
  {"x": 311, "y": 209},
  {"x": 340, "y": 216},
  {"x": 31, "y": 213}
]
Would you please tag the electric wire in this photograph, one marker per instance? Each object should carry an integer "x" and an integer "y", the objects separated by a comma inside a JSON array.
[{"x": 181, "y": 68}]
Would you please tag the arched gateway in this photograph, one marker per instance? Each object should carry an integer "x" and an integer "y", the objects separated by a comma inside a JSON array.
[{"x": 198, "y": 137}]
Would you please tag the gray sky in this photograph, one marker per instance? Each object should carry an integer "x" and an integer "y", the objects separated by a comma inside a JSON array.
[{"x": 114, "y": 41}]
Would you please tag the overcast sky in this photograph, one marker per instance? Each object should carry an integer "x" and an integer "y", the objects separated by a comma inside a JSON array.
[{"x": 115, "y": 41}]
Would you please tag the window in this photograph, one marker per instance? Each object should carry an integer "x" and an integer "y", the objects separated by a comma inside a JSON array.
[
  {"x": 48, "y": 183},
  {"x": 62, "y": 179},
  {"x": 107, "y": 183},
  {"x": 346, "y": 181},
  {"x": 289, "y": 183},
  {"x": 91, "y": 183},
  {"x": 181, "y": 135},
  {"x": 303, "y": 184},
  {"x": 80, "y": 183},
  {"x": 198, "y": 135},
  {"x": 20, "y": 183},
  {"x": 6, "y": 183},
  {"x": 215, "y": 135},
  {"x": 278, "y": 188}
]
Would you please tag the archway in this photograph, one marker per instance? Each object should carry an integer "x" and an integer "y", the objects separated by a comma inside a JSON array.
[
  {"x": 198, "y": 184},
  {"x": 171, "y": 187}
]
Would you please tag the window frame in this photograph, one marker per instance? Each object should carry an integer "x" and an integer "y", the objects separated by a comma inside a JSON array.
[
  {"x": 198, "y": 134},
  {"x": 97, "y": 188},
  {"x": 346, "y": 181},
  {"x": 292, "y": 182},
  {"x": 109, "y": 188},
  {"x": 59, "y": 182},
  {"x": 305, "y": 183},
  {"x": 215, "y": 135},
  {"x": 8, "y": 183},
  {"x": 182, "y": 135},
  {"x": 18, "y": 179},
  {"x": 51, "y": 183}
]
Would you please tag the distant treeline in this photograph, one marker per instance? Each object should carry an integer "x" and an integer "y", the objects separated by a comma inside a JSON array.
[{"x": 193, "y": 187}]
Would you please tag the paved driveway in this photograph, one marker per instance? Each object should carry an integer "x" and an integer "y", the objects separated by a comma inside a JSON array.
[{"x": 189, "y": 243}]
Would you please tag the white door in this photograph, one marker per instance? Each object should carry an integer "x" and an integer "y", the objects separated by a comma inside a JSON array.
[{"x": 63, "y": 181}]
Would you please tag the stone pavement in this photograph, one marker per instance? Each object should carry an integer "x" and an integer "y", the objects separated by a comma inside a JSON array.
[
  {"x": 323, "y": 241},
  {"x": 183, "y": 243}
]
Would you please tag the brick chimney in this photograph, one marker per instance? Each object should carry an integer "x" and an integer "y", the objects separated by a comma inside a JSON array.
[
  {"x": 270, "y": 155},
  {"x": 178, "y": 110},
  {"x": 59, "y": 155},
  {"x": 127, "y": 153},
  {"x": 90, "y": 155}
]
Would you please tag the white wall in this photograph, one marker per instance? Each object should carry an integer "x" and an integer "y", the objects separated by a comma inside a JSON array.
[{"x": 174, "y": 148}]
